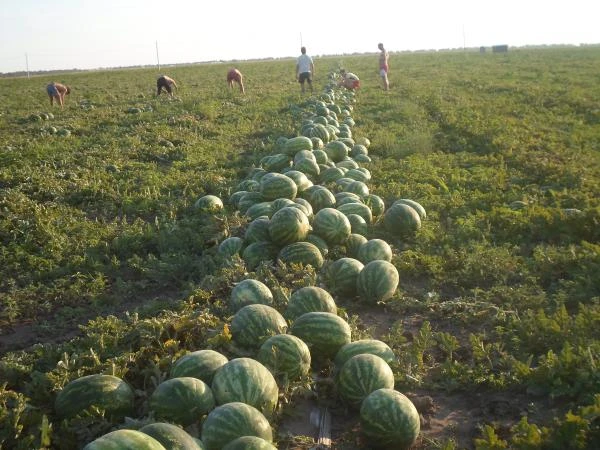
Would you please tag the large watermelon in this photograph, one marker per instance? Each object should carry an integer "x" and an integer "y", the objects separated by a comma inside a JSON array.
[
  {"x": 296, "y": 144},
  {"x": 332, "y": 225},
  {"x": 357, "y": 208},
  {"x": 230, "y": 246},
  {"x": 301, "y": 180},
  {"x": 374, "y": 249},
  {"x": 249, "y": 443},
  {"x": 183, "y": 400},
  {"x": 319, "y": 243},
  {"x": 377, "y": 281},
  {"x": 376, "y": 204},
  {"x": 249, "y": 199},
  {"x": 249, "y": 292},
  {"x": 248, "y": 381},
  {"x": 201, "y": 364},
  {"x": 309, "y": 299},
  {"x": 258, "y": 252},
  {"x": 310, "y": 167},
  {"x": 357, "y": 225},
  {"x": 415, "y": 205},
  {"x": 253, "y": 324},
  {"x": 353, "y": 243},
  {"x": 170, "y": 436},
  {"x": 370, "y": 346},
  {"x": 320, "y": 198},
  {"x": 259, "y": 210},
  {"x": 324, "y": 333},
  {"x": 303, "y": 253},
  {"x": 389, "y": 420},
  {"x": 357, "y": 187},
  {"x": 107, "y": 392},
  {"x": 288, "y": 225},
  {"x": 336, "y": 151},
  {"x": 362, "y": 374},
  {"x": 285, "y": 356},
  {"x": 125, "y": 440},
  {"x": 330, "y": 175},
  {"x": 233, "y": 420},
  {"x": 401, "y": 219},
  {"x": 276, "y": 185},
  {"x": 342, "y": 276},
  {"x": 258, "y": 230}
]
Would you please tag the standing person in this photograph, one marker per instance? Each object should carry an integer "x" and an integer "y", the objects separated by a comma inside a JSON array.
[
  {"x": 305, "y": 69},
  {"x": 384, "y": 66},
  {"x": 166, "y": 83},
  {"x": 236, "y": 76},
  {"x": 57, "y": 91}
]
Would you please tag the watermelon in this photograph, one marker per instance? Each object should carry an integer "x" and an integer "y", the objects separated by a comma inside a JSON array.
[
  {"x": 373, "y": 250},
  {"x": 249, "y": 199},
  {"x": 389, "y": 420},
  {"x": 288, "y": 225},
  {"x": 353, "y": 243},
  {"x": 362, "y": 159},
  {"x": 258, "y": 230},
  {"x": 309, "y": 299},
  {"x": 358, "y": 149},
  {"x": 320, "y": 155},
  {"x": 363, "y": 141},
  {"x": 249, "y": 292},
  {"x": 321, "y": 198},
  {"x": 303, "y": 253},
  {"x": 358, "y": 175},
  {"x": 336, "y": 151},
  {"x": 125, "y": 440},
  {"x": 248, "y": 381},
  {"x": 332, "y": 225},
  {"x": 415, "y": 205},
  {"x": 317, "y": 144},
  {"x": 275, "y": 163},
  {"x": 376, "y": 204},
  {"x": 348, "y": 164},
  {"x": 258, "y": 252},
  {"x": 343, "y": 197},
  {"x": 234, "y": 198},
  {"x": 344, "y": 182},
  {"x": 401, "y": 219},
  {"x": 253, "y": 324},
  {"x": 107, "y": 392},
  {"x": 233, "y": 420},
  {"x": 305, "y": 206},
  {"x": 342, "y": 276},
  {"x": 276, "y": 185},
  {"x": 183, "y": 400},
  {"x": 370, "y": 346},
  {"x": 357, "y": 187},
  {"x": 248, "y": 186},
  {"x": 295, "y": 144},
  {"x": 362, "y": 374},
  {"x": 304, "y": 154},
  {"x": 357, "y": 208},
  {"x": 285, "y": 356},
  {"x": 331, "y": 174},
  {"x": 357, "y": 224},
  {"x": 249, "y": 443},
  {"x": 262, "y": 209},
  {"x": 309, "y": 167},
  {"x": 322, "y": 132},
  {"x": 301, "y": 180},
  {"x": 201, "y": 364},
  {"x": 377, "y": 281},
  {"x": 256, "y": 173},
  {"x": 209, "y": 204},
  {"x": 230, "y": 246},
  {"x": 170, "y": 436},
  {"x": 280, "y": 203},
  {"x": 324, "y": 333},
  {"x": 319, "y": 243}
]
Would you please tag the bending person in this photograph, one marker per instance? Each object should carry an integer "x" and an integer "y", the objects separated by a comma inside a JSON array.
[
  {"x": 57, "y": 91},
  {"x": 166, "y": 83},
  {"x": 235, "y": 76}
]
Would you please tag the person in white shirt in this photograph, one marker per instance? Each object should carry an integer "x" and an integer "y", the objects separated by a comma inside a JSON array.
[
  {"x": 305, "y": 69},
  {"x": 349, "y": 80}
]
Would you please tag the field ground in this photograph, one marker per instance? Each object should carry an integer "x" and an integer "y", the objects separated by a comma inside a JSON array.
[{"x": 106, "y": 266}]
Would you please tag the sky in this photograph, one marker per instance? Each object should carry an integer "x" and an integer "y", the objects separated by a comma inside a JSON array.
[{"x": 88, "y": 34}]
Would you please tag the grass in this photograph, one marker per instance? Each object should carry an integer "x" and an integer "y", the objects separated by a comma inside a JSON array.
[{"x": 106, "y": 266}]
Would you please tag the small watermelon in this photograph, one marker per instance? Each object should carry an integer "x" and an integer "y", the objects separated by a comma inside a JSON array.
[
  {"x": 377, "y": 281},
  {"x": 182, "y": 400},
  {"x": 125, "y": 439},
  {"x": 209, "y": 204},
  {"x": 249, "y": 292},
  {"x": 371, "y": 346},
  {"x": 342, "y": 276},
  {"x": 201, "y": 364},
  {"x": 309, "y": 299},
  {"x": 230, "y": 246},
  {"x": 332, "y": 225},
  {"x": 374, "y": 249},
  {"x": 362, "y": 374},
  {"x": 285, "y": 355},
  {"x": 170, "y": 436},
  {"x": 401, "y": 219},
  {"x": 258, "y": 252},
  {"x": 324, "y": 333},
  {"x": 303, "y": 253},
  {"x": 253, "y": 324}
]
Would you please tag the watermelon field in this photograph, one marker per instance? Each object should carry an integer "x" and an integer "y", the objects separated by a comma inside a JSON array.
[{"x": 413, "y": 268}]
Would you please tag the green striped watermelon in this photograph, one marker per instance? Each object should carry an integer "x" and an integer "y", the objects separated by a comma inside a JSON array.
[
  {"x": 389, "y": 420},
  {"x": 358, "y": 175},
  {"x": 357, "y": 224},
  {"x": 362, "y": 374},
  {"x": 285, "y": 356},
  {"x": 376, "y": 204},
  {"x": 303, "y": 253},
  {"x": 125, "y": 439},
  {"x": 319, "y": 243},
  {"x": 343, "y": 197},
  {"x": 353, "y": 243},
  {"x": 362, "y": 159},
  {"x": 309, "y": 167},
  {"x": 415, "y": 205},
  {"x": 209, "y": 204},
  {"x": 370, "y": 346},
  {"x": 249, "y": 292},
  {"x": 259, "y": 210},
  {"x": 301, "y": 180},
  {"x": 357, "y": 187},
  {"x": 170, "y": 436},
  {"x": 317, "y": 143},
  {"x": 401, "y": 219},
  {"x": 258, "y": 252},
  {"x": 358, "y": 149},
  {"x": 258, "y": 230},
  {"x": 106, "y": 392},
  {"x": 309, "y": 299},
  {"x": 276, "y": 185},
  {"x": 249, "y": 199},
  {"x": 357, "y": 208},
  {"x": 233, "y": 420},
  {"x": 183, "y": 400},
  {"x": 321, "y": 198},
  {"x": 276, "y": 163},
  {"x": 249, "y": 443},
  {"x": 295, "y": 144},
  {"x": 363, "y": 141},
  {"x": 348, "y": 164},
  {"x": 320, "y": 155},
  {"x": 304, "y": 154},
  {"x": 248, "y": 381},
  {"x": 331, "y": 174},
  {"x": 332, "y": 225},
  {"x": 377, "y": 281},
  {"x": 374, "y": 249},
  {"x": 336, "y": 151},
  {"x": 253, "y": 324},
  {"x": 230, "y": 246},
  {"x": 305, "y": 206},
  {"x": 342, "y": 276},
  {"x": 234, "y": 198},
  {"x": 201, "y": 364},
  {"x": 248, "y": 186},
  {"x": 288, "y": 225},
  {"x": 324, "y": 333}
]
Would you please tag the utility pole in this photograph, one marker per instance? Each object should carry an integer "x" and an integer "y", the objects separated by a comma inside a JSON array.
[
  {"x": 27, "y": 64},
  {"x": 157, "y": 59}
]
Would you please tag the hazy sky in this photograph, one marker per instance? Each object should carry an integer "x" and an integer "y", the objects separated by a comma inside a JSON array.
[{"x": 85, "y": 34}]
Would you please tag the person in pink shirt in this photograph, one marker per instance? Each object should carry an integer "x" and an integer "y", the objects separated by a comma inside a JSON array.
[
  {"x": 57, "y": 91},
  {"x": 384, "y": 66},
  {"x": 235, "y": 76}
]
